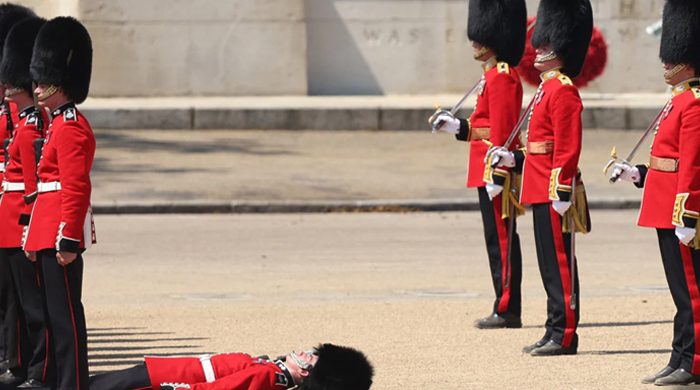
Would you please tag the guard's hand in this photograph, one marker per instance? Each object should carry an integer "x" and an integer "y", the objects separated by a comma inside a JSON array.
[
  {"x": 561, "y": 207},
  {"x": 685, "y": 234},
  {"x": 626, "y": 172},
  {"x": 493, "y": 190},
  {"x": 64, "y": 258},
  {"x": 31, "y": 255},
  {"x": 447, "y": 123},
  {"x": 174, "y": 386},
  {"x": 501, "y": 157}
]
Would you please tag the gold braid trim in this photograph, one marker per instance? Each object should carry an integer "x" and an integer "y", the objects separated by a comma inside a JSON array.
[
  {"x": 579, "y": 212},
  {"x": 510, "y": 196}
]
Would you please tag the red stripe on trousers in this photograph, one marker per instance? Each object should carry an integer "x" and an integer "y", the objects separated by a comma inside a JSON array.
[
  {"x": 46, "y": 351},
  {"x": 503, "y": 243},
  {"x": 75, "y": 331},
  {"x": 565, "y": 275},
  {"x": 692, "y": 283}
]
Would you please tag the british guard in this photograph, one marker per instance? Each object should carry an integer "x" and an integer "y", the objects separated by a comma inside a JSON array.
[
  {"x": 671, "y": 183},
  {"x": 497, "y": 30},
  {"x": 61, "y": 227},
  {"x": 327, "y": 367},
  {"x": 20, "y": 186},
  {"x": 9, "y": 359},
  {"x": 549, "y": 165}
]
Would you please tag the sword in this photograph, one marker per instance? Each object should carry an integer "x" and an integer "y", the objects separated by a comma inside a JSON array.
[
  {"x": 572, "y": 227},
  {"x": 630, "y": 156},
  {"x": 514, "y": 133},
  {"x": 454, "y": 109},
  {"x": 511, "y": 230}
]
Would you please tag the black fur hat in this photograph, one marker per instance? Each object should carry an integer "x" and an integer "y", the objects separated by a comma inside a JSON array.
[
  {"x": 17, "y": 53},
  {"x": 680, "y": 34},
  {"x": 499, "y": 25},
  {"x": 9, "y": 15},
  {"x": 63, "y": 57},
  {"x": 339, "y": 368},
  {"x": 566, "y": 25}
]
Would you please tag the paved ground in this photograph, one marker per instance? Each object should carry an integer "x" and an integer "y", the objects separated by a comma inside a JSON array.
[
  {"x": 405, "y": 288},
  {"x": 201, "y": 167}
]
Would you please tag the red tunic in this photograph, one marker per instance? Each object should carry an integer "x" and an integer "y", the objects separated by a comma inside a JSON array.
[
  {"x": 497, "y": 108},
  {"x": 673, "y": 198},
  {"x": 231, "y": 371},
  {"x": 5, "y": 130},
  {"x": 62, "y": 219},
  {"x": 21, "y": 169},
  {"x": 555, "y": 120}
]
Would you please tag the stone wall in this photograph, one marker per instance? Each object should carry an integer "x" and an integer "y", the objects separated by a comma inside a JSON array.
[{"x": 318, "y": 47}]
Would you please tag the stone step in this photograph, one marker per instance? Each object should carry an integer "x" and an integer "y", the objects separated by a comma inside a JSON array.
[{"x": 623, "y": 111}]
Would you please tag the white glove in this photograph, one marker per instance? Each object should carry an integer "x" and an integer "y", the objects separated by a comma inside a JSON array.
[
  {"x": 446, "y": 123},
  {"x": 626, "y": 172},
  {"x": 560, "y": 207},
  {"x": 685, "y": 234},
  {"x": 493, "y": 190},
  {"x": 502, "y": 157}
]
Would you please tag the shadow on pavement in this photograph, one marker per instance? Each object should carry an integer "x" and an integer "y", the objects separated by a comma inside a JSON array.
[
  {"x": 122, "y": 347},
  {"x": 627, "y": 352}
]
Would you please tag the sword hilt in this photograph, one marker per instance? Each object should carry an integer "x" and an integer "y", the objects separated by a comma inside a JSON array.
[{"x": 438, "y": 111}]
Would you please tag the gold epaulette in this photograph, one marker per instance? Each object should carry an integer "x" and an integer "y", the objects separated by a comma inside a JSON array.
[
  {"x": 565, "y": 80},
  {"x": 696, "y": 92},
  {"x": 503, "y": 67}
]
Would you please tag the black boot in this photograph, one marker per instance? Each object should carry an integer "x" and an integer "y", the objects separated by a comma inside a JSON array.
[
  {"x": 8, "y": 378},
  {"x": 553, "y": 349},
  {"x": 497, "y": 321},
  {"x": 666, "y": 371},
  {"x": 31, "y": 384},
  {"x": 531, "y": 347},
  {"x": 677, "y": 378}
]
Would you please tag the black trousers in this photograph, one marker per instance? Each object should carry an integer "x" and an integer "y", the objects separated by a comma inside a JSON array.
[
  {"x": 134, "y": 378},
  {"x": 66, "y": 320},
  {"x": 681, "y": 266},
  {"x": 34, "y": 334},
  {"x": 508, "y": 291},
  {"x": 10, "y": 320},
  {"x": 554, "y": 260}
]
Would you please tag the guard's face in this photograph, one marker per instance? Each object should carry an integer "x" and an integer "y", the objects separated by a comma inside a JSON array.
[
  {"x": 49, "y": 96},
  {"x": 546, "y": 59},
  {"x": 300, "y": 364},
  {"x": 11, "y": 92},
  {"x": 677, "y": 73},
  {"x": 481, "y": 52}
]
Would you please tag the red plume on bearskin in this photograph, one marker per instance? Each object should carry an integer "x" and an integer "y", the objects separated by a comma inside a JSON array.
[{"x": 593, "y": 66}]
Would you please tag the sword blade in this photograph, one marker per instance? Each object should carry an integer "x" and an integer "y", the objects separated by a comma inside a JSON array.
[
  {"x": 464, "y": 98},
  {"x": 572, "y": 228},
  {"x": 518, "y": 125},
  {"x": 651, "y": 127}
]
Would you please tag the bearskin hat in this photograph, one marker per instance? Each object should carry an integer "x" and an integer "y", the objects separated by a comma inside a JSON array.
[
  {"x": 9, "y": 15},
  {"x": 339, "y": 368},
  {"x": 499, "y": 25},
  {"x": 567, "y": 26},
  {"x": 17, "y": 53},
  {"x": 63, "y": 57},
  {"x": 680, "y": 33}
]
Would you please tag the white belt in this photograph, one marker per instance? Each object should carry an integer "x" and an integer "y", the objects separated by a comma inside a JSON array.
[
  {"x": 12, "y": 187},
  {"x": 208, "y": 368},
  {"x": 2, "y": 167},
  {"x": 49, "y": 187}
]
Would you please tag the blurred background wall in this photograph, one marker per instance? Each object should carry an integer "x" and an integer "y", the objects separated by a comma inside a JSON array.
[{"x": 318, "y": 47}]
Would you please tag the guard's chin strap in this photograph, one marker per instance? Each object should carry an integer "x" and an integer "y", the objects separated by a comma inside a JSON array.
[
  {"x": 285, "y": 370},
  {"x": 52, "y": 89}
]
